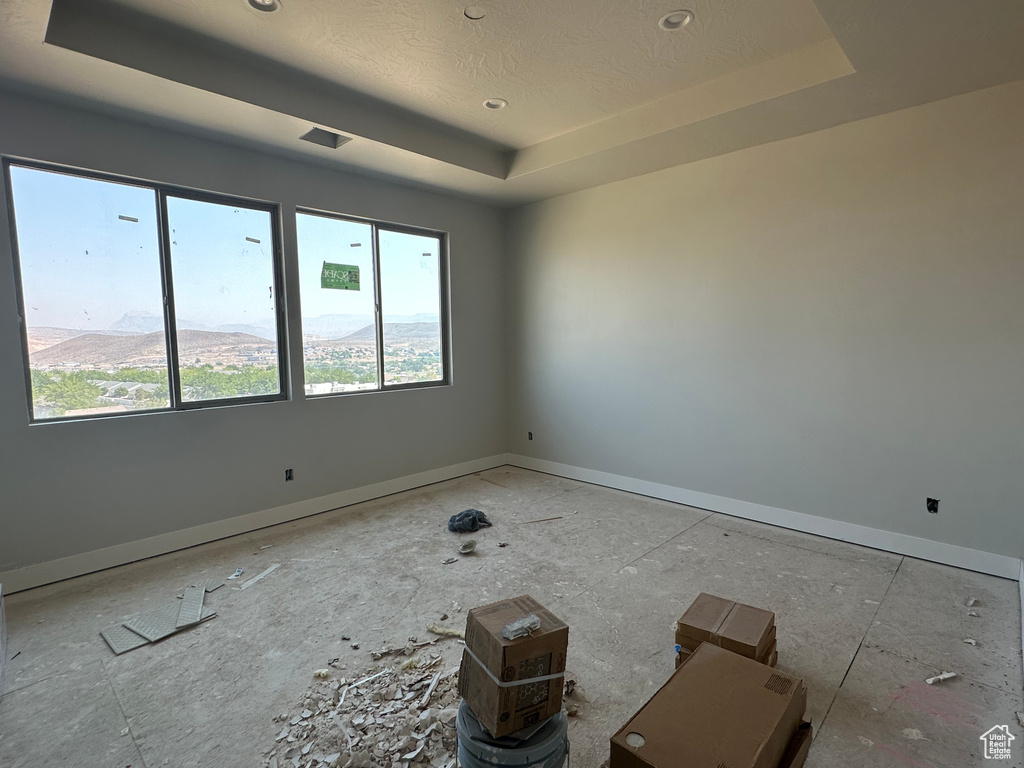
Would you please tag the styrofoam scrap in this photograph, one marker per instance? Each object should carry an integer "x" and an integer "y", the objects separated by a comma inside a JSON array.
[
  {"x": 970, "y": 641},
  {"x": 446, "y": 631},
  {"x": 191, "y": 609},
  {"x": 940, "y": 678},
  {"x": 259, "y": 576},
  {"x": 321, "y": 673}
]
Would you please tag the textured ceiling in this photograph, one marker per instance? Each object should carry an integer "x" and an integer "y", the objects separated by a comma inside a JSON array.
[
  {"x": 561, "y": 64},
  {"x": 597, "y": 93}
]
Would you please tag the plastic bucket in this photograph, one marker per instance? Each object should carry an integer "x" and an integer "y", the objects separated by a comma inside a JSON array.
[{"x": 547, "y": 748}]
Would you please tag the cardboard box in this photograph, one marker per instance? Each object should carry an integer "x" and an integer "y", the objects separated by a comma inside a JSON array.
[
  {"x": 799, "y": 746},
  {"x": 739, "y": 628},
  {"x": 718, "y": 708},
  {"x": 498, "y": 687}
]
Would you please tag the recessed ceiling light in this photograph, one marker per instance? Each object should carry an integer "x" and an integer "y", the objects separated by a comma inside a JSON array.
[
  {"x": 475, "y": 12},
  {"x": 265, "y": 5},
  {"x": 675, "y": 20},
  {"x": 495, "y": 103}
]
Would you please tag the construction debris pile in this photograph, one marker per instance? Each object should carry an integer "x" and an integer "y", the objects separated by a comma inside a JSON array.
[{"x": 392, "y": 719}]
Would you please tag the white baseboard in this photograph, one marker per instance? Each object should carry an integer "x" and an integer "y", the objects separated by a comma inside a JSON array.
[
  {"x": 902, "y": 544},
  {"x": 120, "y": 554}
]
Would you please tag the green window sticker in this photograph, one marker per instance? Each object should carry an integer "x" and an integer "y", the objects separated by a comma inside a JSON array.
[{"x": 340, "y": 277}]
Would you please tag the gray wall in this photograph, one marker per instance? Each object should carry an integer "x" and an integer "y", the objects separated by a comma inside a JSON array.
[
  {"x": 831, "y": 324},
  {"x": 68, "y": 488}
]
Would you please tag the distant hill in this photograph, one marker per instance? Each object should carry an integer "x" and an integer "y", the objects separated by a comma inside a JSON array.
[
  {"x": 44, "y": 336},
  {"x": 392, "y": 332},
  {"x": 138, "y": 322},
  {"x": 145, "y": 322},
  {"x": 103, "y": 350}
]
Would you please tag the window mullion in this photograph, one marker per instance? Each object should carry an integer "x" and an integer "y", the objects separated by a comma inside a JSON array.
[
  {"x": 170, "y": 320},
  {"x": 379, "y": 314}
]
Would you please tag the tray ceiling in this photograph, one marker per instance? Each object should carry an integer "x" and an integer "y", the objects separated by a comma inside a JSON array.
[{"x": 595, "y": 90}]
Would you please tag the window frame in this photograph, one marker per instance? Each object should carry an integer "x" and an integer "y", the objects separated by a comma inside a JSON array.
[
  {"x": 161, "y": 192},
  {"x": 444, "y": 308}
]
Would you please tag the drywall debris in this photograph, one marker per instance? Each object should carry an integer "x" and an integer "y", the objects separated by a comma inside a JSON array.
[
  {"x": 1020, "y": 719},
  {"x": 125, "y": 732},
  {"x": 238, "y": 572},
  {"x": 449, "y": 560},
  {"x": 971, "y": 601},
  {"x": 446, "y": 631},
  {"x": 940, "y": 678},
  {"x": 456, "y": 608},
  {"x": 259, "y": 576},
  {"x": 973, "y": 614},
  {"x": 970, "y": 641},
  {"x": 381, "y": 722}
]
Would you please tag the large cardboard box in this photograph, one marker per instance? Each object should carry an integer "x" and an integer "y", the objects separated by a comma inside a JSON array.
[
  {"x": 498, "y": 677},
  {"x": 799, "y": 746},
  {"x": 771, "y": 656},
  {"x": 739, "y": 628},
  {"x": 718, "y": 708}
]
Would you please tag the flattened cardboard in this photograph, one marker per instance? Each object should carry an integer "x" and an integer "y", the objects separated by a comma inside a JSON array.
[
  {"x": 718, "y": 708},
  {"x": 505, "y": 709}
]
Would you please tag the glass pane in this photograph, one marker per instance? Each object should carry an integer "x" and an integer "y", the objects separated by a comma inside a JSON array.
[
  {"x": 222, "y": 264},
  {"x": 90, "y": 274},
  {"x": 339, "y": 332},
  {"x": 410, "y": 286}
]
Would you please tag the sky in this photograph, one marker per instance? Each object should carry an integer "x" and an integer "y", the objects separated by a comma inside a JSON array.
[{"x": 89, "y": 254}]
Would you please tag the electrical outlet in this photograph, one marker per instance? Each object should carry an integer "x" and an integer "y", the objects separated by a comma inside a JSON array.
[
  {"x": 932, "y": 506},
  {"x": 529, "y": 435},
  {"x": 288, "y": 475}
]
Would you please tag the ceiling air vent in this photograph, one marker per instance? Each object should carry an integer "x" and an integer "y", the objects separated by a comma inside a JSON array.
[{"x": 325, "y": 138}]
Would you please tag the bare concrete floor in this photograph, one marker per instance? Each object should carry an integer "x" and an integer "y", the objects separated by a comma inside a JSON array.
[{"x": 862, "y": 628}]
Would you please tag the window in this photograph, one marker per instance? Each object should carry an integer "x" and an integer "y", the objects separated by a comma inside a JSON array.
[
  {"x": 373, "y": 303},
  {"x": 140, "y": 297}
]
